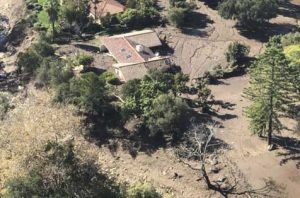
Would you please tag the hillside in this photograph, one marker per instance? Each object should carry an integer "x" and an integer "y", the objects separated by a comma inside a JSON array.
[{"x": 70, "y": 92}]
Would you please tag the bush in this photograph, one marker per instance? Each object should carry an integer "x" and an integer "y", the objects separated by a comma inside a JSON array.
[
  {"x": 290, "y": 39},
  {"x": 88, "y": 92},
  {"x": 110, "y": 78},
  {"x": 236, "y": 53},
  {"x": 142, "y": 191},
  {"x": 4, "y": 105},
  {"x": 177, "y": 16},
  {"x": 29, "y": 61},
  {"x": 133, "y": 18},
  {"x": 84, "y": 59},
  {"x": 43, "y": 48},
  {"x": 62, "y": 93},
  {"x": 53, "y": 72},
  {"x": 292, "y": 52}
]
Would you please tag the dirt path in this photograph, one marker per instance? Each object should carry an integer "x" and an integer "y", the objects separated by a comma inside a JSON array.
[{"x": 249, "y": 152}]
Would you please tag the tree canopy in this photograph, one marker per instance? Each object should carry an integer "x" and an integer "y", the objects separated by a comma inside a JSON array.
[{"x": 248, "y": 12}]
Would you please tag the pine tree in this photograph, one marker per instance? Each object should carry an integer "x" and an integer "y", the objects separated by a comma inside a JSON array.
[{"x": 270, "y": 90}]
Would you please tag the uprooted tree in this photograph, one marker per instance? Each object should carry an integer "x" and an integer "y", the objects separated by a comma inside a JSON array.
[{"x": 199, "y": 142}]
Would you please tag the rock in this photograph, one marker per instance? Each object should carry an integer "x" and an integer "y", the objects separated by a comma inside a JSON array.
[
  {"x": 222, "y": 179},
  {"x": 214, "y": 162},
  {"x": 271, "y": 147},
  {"x": 4, "y": 31},
  {"x": 225, "y": 186},
  {"x": 214, "y": 169}
]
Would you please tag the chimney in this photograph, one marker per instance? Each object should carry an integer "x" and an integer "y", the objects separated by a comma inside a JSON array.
[{"x": 139, "y": 48}]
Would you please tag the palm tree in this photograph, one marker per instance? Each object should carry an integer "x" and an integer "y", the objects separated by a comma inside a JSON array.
[
  {"x": 53, "y": 11},
  {"x": 95, "y": 2}
]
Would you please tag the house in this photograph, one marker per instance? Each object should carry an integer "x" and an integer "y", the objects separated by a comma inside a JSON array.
[
  {"x": 104, "y": 7},
  {"x": 134, "y": 55}
]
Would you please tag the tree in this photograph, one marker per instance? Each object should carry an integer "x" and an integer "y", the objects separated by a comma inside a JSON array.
[
  {"x": 248, "y": 12},
  {"x": 95, "y": 2},
  {"x": 203, "y": 93},
  {"x": 269, "y": 91},
  {"x": 76, "y": 13},
  {"x": 178, "y": 12},
  {"x": 88, "y": 92},
  {"x": 236, "y": 52},
  {"x": 166, "y": 116},
  {"x": 53, "y": 13},
  {"x": 177, "y": 16}
]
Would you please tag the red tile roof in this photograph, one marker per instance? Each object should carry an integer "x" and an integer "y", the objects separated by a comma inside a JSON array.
[
  {"x": 106, "y": 6},
  {"x": 122, "y": 50}
]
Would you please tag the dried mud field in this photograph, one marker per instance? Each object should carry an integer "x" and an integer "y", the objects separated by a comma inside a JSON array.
[{"x": 198, "y": 48}]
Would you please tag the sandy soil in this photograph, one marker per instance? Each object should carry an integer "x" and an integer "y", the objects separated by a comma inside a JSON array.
[
  {"x": 14, "y": 10},
  {"x": 248, "y": 151}
]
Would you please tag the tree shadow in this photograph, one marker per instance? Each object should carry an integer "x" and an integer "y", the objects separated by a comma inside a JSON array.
[
  {"x": 213, "y": 4},
  {"x": 194, "y": 22},
  {"x": 223, "y": 117},
  {"x": 292, "y": 149},
  {"x": 88, "y": 47},
  {"x": 266, "y": 30},
  {"x": 269, "y": 189},
  {"x": 12, "y": 82},
  {"x": 288, "y": 9},
  {"x": 224, "y": 105}
]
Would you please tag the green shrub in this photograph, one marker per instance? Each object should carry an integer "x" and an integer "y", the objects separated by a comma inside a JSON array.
[
  {"x": 84, "y": 59},
  {"x": 4, "y": 105},
  {"x": 88, "y": 92},
  {"x": 53, "y": 72},
  {"x": 290, "y": 39},
  {"x": 292, "y": 52},
  {"x": 43, "y": 48},
  {"x": 29, "y": 61},
  {"x": 236, "y": 52},
  {"x": 139, "y": 18},
  {"x": 110, "y": 78},
  {"x": 62, "y": 93},
  {"x": 177, "y": 16},
  {"x": 142, "y": 190}
]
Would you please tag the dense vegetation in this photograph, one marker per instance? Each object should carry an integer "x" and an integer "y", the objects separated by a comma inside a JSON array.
[
  {"x": 71, "y": 18},
  {"x": 57, "y": 171}
]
